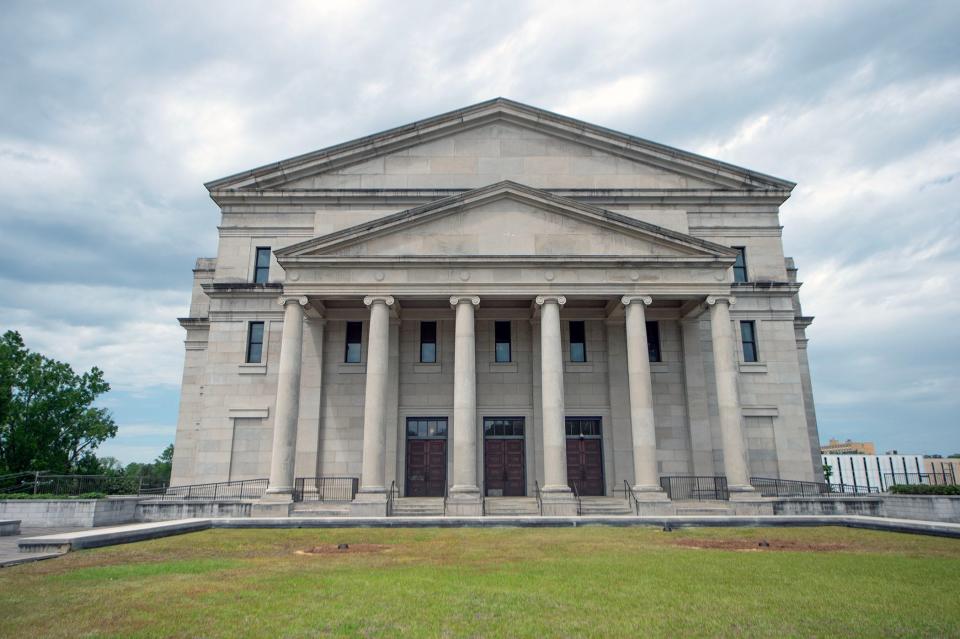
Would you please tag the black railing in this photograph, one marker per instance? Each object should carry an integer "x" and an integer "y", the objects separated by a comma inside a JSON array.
[
  {"x": 392, "y": 494},
  {"x": 631, "y": 497},
  {"x": 241, "y": 489},
  {"x": 770, "y": 487},
  {"x": 945, "y": 478},
  {"x": 536, "y": 491},
  {"x": 853, "y": 489},
  {"x": 71, "y": 485},
  {"x": 699, "y": 488},
  {"x": 325, "y": 488},
  {"x": 576, "y": 495}
]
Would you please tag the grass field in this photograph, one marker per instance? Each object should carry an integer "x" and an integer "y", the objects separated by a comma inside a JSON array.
[{"x": 589, "y": 582}]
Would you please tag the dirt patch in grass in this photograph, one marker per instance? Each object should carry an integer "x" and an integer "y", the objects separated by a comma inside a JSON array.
[
  {"x": 343, "y": 549},
  {"x": 757, "y": 544}
]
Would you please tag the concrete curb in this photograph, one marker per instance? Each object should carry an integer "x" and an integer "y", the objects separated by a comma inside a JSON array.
[{"x": 139, "y": 532}]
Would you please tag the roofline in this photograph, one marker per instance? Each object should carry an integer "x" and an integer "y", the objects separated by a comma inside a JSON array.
[{"x": 462, "y": 114}]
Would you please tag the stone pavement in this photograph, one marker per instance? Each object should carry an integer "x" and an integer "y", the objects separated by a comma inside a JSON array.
[{"x": 10, "y": 554}]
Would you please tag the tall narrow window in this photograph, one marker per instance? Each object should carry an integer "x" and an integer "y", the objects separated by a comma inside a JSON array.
[
  {"x": 255, "y": 343},
  {"x": 428, "y": 342},
  {"x": 354, "y": 339},
  {"x": 653, "y": 340},
  {"x": 740, "y": 266},
  {"x": 578, "y": 342},
  {"x": 501, "y": 332},
  {"x": 261, "y": 268},
  {"x": 748, "y": 333}
]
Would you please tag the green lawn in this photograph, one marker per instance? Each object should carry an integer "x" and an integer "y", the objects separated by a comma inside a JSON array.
[{"x": 590, "y": 581}]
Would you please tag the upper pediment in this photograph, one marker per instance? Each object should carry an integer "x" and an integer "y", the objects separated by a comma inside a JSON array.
[
  {"x": 494, "y": 141},
  {"x": 506, "y": 220}
]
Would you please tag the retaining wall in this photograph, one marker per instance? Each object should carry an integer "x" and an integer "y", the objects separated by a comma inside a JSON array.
[
  {"x": 838, "y": 505},
  {"x": 156, "y": 510},
  {"x": 928, "y": 507},
  {"x": 63, "y": 513}
]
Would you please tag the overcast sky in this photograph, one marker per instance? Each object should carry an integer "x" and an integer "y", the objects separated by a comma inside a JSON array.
[{"x": 112, "y": 115}]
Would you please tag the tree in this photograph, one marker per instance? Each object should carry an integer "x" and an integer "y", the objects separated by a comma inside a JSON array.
[
  {"x": 47, "y": 418},
  {"x": 827, "y": 472}
]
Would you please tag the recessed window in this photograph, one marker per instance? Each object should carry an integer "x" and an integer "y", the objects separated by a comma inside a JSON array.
[
  {"x": 428, "y": 342},
  {"x": 255, "y": 343},
  {"x": 354, "y": 340},
  {"x": 653, "y": 341},
  {"x": 261, "y": 267},
  {"x": 501, "y": 332},
  {"x": 740, "y": 266},
  {"x": 578, "y": 341},
  {"x": 748, "y": 334},
  {"x": 503, "y": 427}
]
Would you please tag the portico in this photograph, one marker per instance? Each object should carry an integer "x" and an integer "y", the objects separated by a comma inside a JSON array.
[{"x": 575, "y": 316}]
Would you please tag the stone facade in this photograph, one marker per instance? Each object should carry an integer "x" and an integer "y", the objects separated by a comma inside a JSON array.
[{"x": 496, "y": 212}]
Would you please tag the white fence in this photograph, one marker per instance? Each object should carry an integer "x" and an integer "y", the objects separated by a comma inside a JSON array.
[{"x": 875, "y": 471}]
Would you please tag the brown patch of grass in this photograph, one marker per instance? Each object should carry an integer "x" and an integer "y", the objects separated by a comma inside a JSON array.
[
  {"x": 756, "y": 545},
  {"x": 337, "y": 549}
]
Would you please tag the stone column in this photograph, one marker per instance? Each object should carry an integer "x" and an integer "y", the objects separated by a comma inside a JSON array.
[
  {"x": 465, "y": 493},
  {"x": 557, "y": 498},
  {"x": 642, "y": 425},
  {"x": 728, "y": 398},
  {"x": 372, "y": 497},
  {"x": 285, "y": 417}
]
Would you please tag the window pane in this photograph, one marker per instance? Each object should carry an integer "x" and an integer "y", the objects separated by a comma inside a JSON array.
[
  {"x": 428, "y": 353},
  {"x": 354, "y": 332},
  {"x": 353, "y": 354},
  {"x": 255, "y": 343},
  {"x": 256, "y": 332},
  {"x": 748, "y": 335},
  {"x": 746, "y": 331},
  {"x": 261, "y": 271},
  {"x": 653, "y": 341},
  {"x": 578, "y": 352},
  {"x": 502, "y": 331},
  {"x": 428, "y": 332},
  {"x": 749, "y": 352},
  {"x": 503, "y": 352},
  {"x": 353, "y": 342},
  {"x": 740, "y": 266}
]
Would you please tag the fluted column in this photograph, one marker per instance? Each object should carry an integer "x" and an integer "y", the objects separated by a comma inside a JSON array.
[
  {"x": 551, "y": 370},
  {"x": 728, "y": 398},
  {"x": 288, "y": 401},
  {"x": 642, "y": 424},
  {"x": 375, "y": 395}
]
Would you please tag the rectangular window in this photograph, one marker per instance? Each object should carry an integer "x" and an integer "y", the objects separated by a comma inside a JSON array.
[
  {"x": 653, "y": 341},
  {"x": 354, "y": 340},
  {"x": 740, "y": 266},
  {"x": 255, "y": 343},
  {"x": 578, "y": 342},
  {"x": 502, "y": 336},
  {"x": 261, "y": 268},
  {"x": 748, "y": 333},
  {"x": 503, "y": 427},
  {"x": 428, "y": 342}
]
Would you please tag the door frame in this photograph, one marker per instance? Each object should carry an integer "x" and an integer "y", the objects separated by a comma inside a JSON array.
[
  {"x": 522, "y": 438},
  {"x": 603, "y": 458},
  {"x": 406, "y": 449}
]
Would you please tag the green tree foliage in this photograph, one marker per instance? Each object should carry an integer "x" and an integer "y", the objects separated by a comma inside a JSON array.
[
  {"x": 158, "y": 471},
  {"x": 47, "y": 418}
]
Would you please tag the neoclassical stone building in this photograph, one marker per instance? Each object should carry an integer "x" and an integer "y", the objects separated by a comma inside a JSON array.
[{"x": 493, "y": 301}]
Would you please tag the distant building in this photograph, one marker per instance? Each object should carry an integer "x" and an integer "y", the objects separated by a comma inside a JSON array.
[
  {"x": 874, "y": 471},
  {"x": 848, "y": 447},
  {"x": 942, "y": 471}
]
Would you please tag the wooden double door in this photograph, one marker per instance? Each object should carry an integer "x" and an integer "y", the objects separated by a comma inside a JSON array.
[
  {"x": 504, "y": 458},
  {"x": 426, "y": 457},
  {"x": 585, "y": 455}
]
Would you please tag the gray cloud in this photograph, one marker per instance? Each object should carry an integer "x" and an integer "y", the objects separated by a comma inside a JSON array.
[{"x": 115, "y": 113}]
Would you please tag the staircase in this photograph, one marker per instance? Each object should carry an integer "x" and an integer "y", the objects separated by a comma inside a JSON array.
[
  {"x": 418, "y": 507},
  {"x": 321, "y": 509},
  {"x": 698, "y": 508},
  {"x": 605, "y": 506},
  {"x": 511, "y": 506}
]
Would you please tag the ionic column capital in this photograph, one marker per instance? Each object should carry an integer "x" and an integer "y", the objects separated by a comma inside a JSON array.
[
  {"x": 713, "y": 299},
  {"x": 627, "y": 300},
  {"x": 544, "y": 299},
  {"x": 387, "y": 300},
  {"x": 283, "y": 300},
  {"x": 464, "y": 299}
]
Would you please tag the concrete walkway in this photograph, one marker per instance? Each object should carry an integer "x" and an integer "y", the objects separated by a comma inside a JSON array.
[
  {"x": 11, "y": 555},
  {"x": 64, "y": 541}
]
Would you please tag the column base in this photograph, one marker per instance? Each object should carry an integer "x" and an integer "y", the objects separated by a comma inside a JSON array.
[
  {"x": 372, "y": 503},
  {"x": 644, "y": 493},
  {"x": 739, "y": 492},
  {"x": 558, "y": 501},
  {"x": 465, "y": 502},
  {"x": 272, "y": 507}
]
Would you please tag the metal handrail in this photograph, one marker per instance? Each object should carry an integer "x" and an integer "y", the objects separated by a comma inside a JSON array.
[
  {"x": 576, "y": 495},
  {"x": 446, "y": 492},
  {"x": 631, "y": 497},
  {"x": 695, "y": 487},
  {"x": 393, "y": 490},
  {"x": 240, "y": 489},
  {"x": 325, "y": 488},
  {"x": 536, "y": 489}
]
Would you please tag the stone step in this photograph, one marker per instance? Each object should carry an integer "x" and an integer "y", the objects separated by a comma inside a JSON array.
[
  {"x": 418, "y": 507},
  {"x": 605, "y": 506},
  {"x": 321, "y": 509},
  {"x": 703, "y": 508},
  {"x": 511, "y": 506}
]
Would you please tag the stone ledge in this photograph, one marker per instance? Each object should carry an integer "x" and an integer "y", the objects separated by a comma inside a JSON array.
[{"x": 9, "y": 527}]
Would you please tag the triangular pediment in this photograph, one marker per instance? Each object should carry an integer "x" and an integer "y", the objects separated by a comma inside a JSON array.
[
  {"x": 493, "y": 141},
  {"x": 506, "y": 220}
]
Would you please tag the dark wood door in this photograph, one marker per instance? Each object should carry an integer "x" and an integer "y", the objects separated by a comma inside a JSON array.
[
  {"x": 503, "y": 467},
  {"x": 426, "y": 467},
  {"x": 585, "y": 465}
]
